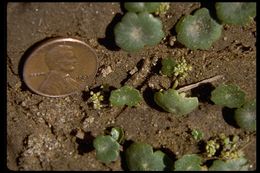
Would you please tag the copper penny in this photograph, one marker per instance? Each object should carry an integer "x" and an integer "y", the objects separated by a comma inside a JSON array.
[{"x": 59, "y": 67}]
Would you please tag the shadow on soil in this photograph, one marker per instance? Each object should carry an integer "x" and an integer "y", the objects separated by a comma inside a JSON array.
[
  {"x": 109, "y": 40},
  {"x": 148, "y": 96},
  {"x": 212, "y": 9},
  {"x": 85, "y": 145},
  {"x": 169, "y": 159},
  {"x": 203, "y": 92},
  {"x": 228, "y": 115},
  {"x": 126, "y": 144},
  {"x": 139, "y": 66}
]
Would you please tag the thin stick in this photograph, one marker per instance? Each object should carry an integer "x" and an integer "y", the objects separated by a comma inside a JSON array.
[
  {"x": 191, "y": 86},
  {"x": 247, "y": 144}
]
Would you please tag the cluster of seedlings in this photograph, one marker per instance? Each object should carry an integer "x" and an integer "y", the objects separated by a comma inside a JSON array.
[
  {"x": 226, "y": 152},
  {"x": 140, "y": 27}
]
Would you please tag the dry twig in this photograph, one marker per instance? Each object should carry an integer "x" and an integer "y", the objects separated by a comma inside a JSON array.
[{"x": 191, "y": 86}]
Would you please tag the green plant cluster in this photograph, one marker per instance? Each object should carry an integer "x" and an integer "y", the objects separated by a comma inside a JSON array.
[
  {"x": 200, "y": 30},
  {"x": 224, "y": 147},
  {"x": 232, "y": 96},
  {"x": 163, "y": 8},
  {"x": 178, "y": 70},
  {"x": 197, "y": 134},
  {"x": 96, "y": 99},
  {"x": 142, "y": 157},
  {"x": 108, "y": 146},
  {"x": 139, "y": 28}
]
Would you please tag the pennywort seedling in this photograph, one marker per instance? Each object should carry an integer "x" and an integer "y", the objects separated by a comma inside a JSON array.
[
  {"x": 163, "y": 8},
  {"x": 197, "y": 134},
  {"x": 228, "y": 95},
  {"x": 138, "y": 30},
  {"x": 118, "y": 134},
  {"x": 238, "y": 164},
  {"x": 245, "y": 116},
  {"x": 178, "y": 69},
  {"x": 188, "y": 162},
  {"x": 211, "y": 147},
  {"x": 238, "y": 13},
  {"x": 198, "y": 31},
  {"x": 125, "y": 95},
  {"x": 136, "y": 7},
  {"x": 141, "y": 157},
  {"x": 168, "y": 66},
  {"x": 173, "y": 102},
  {"x": 107, "y": 148},
  {"x": 181, "y": 69},
  {"x": 96, "y": 99},
  {"x": 224, "y": 147}
]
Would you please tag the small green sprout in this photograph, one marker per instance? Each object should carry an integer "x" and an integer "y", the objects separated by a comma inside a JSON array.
[
  {"x": 163, "y": 8},
  {"x": 168, "y": 65},
  {"x": 107, "y": 148},
  {"x": 181, "y": 69},
  {"x": 197, "y": 134},
  {"x": 211, "y": 147},
  {"x": 245, "y": 116},
  {"x": 138, "y": 30},
  {"x": 230, "y": 96},
  {"x": 118, "y": 134},
  {"x": 125, "y": 95},
  {"x": 229, "y": 147},
  {"x": 171, "y": 101},
  {"x": 188, "y": 162},
  {"x": 140, "y": 157},
  {"x": 96, "y": 99},
  {"x": 198, "y": 31},
  {"x": 177, "y": 69},
  {"x": 238, "y": 13},
  {"x": 224, "y": 147},
  {"x": 238, "y": 164},
  {"x": 136, "y": 7}
]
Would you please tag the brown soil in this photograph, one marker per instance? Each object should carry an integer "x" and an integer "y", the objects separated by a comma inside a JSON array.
[{"x": 42, "y": 131}]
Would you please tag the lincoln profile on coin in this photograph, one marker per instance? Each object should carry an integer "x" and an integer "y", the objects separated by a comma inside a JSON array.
[{"x": 61, "y": 61}]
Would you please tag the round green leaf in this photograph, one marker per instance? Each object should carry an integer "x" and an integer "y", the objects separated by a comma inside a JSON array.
[
  {"x": 140, "y": 157},
  {"x": 149, "y": 7},
  {"x": 125, "y": 95},
  {"x": 198, "y": 31},
  {"x": 137, "y": 30},
  {"x": 107, "y": 149},
  {"x": 230, "y": 96},
  {"x": 188, "y": 162},
  {"x": 239, "y": 164},
  {"x": 238, "y": 13},
  {"x": 168, "y": 66},
  {"x": 172, "y": 101},
  {"x": 246, "y": 116}
]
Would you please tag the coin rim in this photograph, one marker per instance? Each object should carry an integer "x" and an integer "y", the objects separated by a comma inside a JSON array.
[{"x": 46, "y": 43}]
